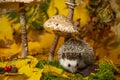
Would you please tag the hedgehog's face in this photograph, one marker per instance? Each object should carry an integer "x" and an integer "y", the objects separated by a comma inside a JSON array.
[{"x": 70, "y": 65}]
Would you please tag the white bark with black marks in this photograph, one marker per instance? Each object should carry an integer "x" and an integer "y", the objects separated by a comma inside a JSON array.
[{"x": 24, "y": 51}]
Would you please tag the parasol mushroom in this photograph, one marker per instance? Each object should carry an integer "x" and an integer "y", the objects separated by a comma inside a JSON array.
[
  {"x": 20, "y": 5},
  {"x": 61, "y": 26}
]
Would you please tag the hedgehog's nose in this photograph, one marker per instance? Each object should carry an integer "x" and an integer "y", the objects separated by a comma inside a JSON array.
[{"x": 73, "y": 69}]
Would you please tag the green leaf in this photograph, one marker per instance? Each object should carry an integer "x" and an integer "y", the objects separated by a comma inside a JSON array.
[
  {"x": 36, "y": 25},
  {"x": 12, "y": 15}
]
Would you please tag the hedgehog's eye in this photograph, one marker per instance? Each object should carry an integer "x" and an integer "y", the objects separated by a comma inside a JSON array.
[
  {"x": 69, "y": 65},
  {"x": 77, "y": 65}
]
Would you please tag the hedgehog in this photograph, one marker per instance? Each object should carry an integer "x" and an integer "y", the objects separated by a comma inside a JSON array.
[{"x": 75, "y": 54}]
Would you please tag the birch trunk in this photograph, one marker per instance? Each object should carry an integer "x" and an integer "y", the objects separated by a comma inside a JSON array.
[{"x": 24, "y": 51}]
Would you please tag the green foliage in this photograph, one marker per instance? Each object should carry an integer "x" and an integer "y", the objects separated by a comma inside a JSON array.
[
  {"x": 55, "y": 63},
  {"x": 12, "y": 15},
  {"x": 36, "y": 25},
  {"x": 94, "y": 3},
  {"x": 41, "y": 64},
  {"x": 45, "y": 6},
  {"x": 77, "y": 77},
  {"x": 104, "y": 72},
  {"x": 51, "y": 77},
  {"x": 37, "y": 15},
  {"x": 103, "y": 11},
  {"x": 105, "y": 66}
]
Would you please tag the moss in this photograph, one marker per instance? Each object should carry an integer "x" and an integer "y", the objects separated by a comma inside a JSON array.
[{"x": 104, "y": 72}]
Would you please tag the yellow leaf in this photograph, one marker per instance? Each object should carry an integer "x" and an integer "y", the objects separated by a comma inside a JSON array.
[
  {"x": 36, "y": 75},
  {"x": 3, "y": 64},
  {"x": 5, "y": 28},
  {"x": 13, "y": 20},
  {"x": 27, "y": 70},
  {"x": 32, "y": 73},
  {"x": 49, "y": 68},
  {"x": 6, "y": 78},
  {"x": 31, "y": 11},
  {"x": 35, "y": 17},
  {"x": 113, "y": 65},
  {"x": 22, "y": 62},
  {"x": 61, "y": 8},
  {"x": 56, "y": 71},
  {"x": 15, "y": 77},
  {"x": 33, "y": 61}
]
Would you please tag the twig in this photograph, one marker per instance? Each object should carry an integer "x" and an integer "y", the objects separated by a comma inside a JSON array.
[
  {"x": 36, "y": 9},
  {"x": 71, "y": 10}
]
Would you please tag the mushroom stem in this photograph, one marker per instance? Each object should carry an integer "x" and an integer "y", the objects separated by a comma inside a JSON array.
[
  {"x": 70, "y": 15},
  {"x": 24, "y": 51},
  {"x": 52, "y": 50},
  {"x": 71, "y": 10}
]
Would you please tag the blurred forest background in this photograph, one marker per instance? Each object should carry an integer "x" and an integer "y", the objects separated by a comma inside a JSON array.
[{"x": 99, "y": 25}]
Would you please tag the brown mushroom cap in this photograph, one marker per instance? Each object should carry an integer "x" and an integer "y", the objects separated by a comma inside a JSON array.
[{"x": 60, "y": 23}]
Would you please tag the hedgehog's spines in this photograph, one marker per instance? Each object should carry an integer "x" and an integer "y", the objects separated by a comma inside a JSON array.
[{"x": 75, "y": 48}]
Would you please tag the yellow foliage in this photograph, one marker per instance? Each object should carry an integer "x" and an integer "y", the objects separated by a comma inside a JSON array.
[
  {"x": 45, "y": 42},
  {"x": 6, "y": 32},
  {"x": 56, "y": 71},
  {"x": 35, "y": 17},
  {"x": 37, "y": 74},
  {"x": 13, "y": 20},
  {"x": 22, "y": 62},
  {"x": 31, "y": 11},
  {"x": 6, "y": 78},
  {"x": 17, "y": 76},
  {"x": 5, "y": 29},
  {"x": 16, "y": 26},
  {"x": 49, "y": 69},
  {"x": 3, "y": 64},
  {"x": 26, "y": 67},
  {"x": 82, "y": 13},
  {"x": 79, "y": 12},
  {"x": 32, "y": 73},
  {"x": 46, "y": 39},
  {"x": 34, "y": 61},
  {"x": 113, "y": 65},
  {"x": 54, "y": 5},
  {"x": 10, "y": 51}
]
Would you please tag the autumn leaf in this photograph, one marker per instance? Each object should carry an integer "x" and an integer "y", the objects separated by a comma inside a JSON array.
[
  {"x": 36, "y": 75},
  {"x": 30, "y": 72},
  {"x": 79, "y": 11},
  {"x": 23, "y": 62},
  {"x": 48, "y": 69}
]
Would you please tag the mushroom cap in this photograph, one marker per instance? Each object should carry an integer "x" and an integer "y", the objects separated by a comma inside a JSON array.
[{"x": 60, "y": 23}]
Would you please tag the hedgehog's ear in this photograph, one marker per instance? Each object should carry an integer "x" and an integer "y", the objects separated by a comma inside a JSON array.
[{"x": 63, "y": 55}]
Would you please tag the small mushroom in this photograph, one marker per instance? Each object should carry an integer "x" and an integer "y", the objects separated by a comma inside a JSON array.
[{"x": 61, "y": 26}]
